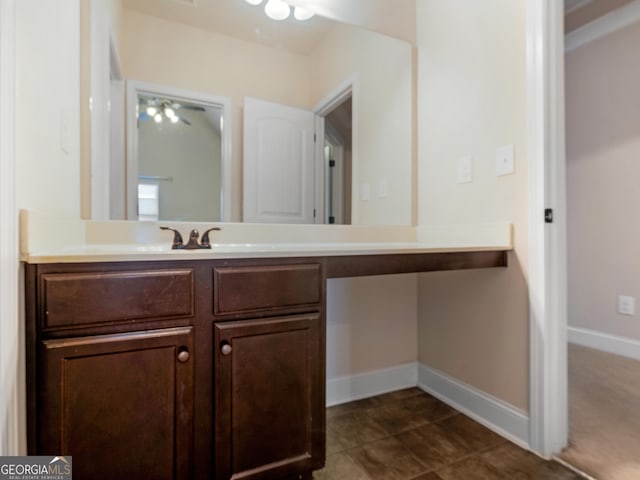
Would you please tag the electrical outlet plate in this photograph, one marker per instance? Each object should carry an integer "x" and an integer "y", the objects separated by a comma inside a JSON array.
[
  {"x": 626, "y": 305},
  {"x": 505, "y": 160}
]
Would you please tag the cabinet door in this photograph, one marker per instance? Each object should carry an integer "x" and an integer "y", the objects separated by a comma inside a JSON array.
[
  {"x": 121, "y": 405},
  {"x": 270, "y": 397}
]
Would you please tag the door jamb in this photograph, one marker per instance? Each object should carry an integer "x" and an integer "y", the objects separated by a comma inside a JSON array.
[
  {"x": 547, "y": 242},
  {"x": 12, "y": 410},
  {"x": 349, "y": 87}
]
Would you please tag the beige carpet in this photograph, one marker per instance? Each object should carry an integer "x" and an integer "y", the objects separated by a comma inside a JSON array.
[{"x": 604, "y": 414}]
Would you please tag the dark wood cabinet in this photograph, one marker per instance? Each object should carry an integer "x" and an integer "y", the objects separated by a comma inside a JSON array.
[
  {"x": 270, "y": 419},
  {"x": 120, "y": 404},
  {"x": 129, "y": 370}
]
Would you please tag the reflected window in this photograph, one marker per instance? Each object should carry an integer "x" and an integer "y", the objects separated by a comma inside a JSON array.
[{"x": 148, "y": 202}]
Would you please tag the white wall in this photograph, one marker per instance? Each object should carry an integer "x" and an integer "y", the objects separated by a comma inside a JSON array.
[
  {"x": 46, "y": 156},
  {"x": 47, "y": 105},
  {"x": 473, "y": 326},
  {"x": 10, "y": 335},
  {"x": 603, "y": 148}
]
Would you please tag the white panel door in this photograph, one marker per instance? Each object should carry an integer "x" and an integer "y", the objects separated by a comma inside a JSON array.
[{"x": 278, "y": 169}]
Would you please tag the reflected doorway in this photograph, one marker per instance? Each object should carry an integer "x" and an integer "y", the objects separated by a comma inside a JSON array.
[
  {"x": 337, "y": 163},
  {"x": 179, "y": 160},
  {"x": 178, "y": 155}
]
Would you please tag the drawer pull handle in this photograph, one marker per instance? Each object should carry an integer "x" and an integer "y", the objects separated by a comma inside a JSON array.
[
  {"x": 183, "y": 356},
  {"x": 226, "y": 349}
]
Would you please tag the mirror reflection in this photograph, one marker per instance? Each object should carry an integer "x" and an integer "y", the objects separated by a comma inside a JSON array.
[
  {"x": 173, "y": 184},
  {"x": 230, "y": 49}
]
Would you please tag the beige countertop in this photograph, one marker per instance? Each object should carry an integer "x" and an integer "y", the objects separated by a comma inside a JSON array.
[{"x": 48, "y": 239}]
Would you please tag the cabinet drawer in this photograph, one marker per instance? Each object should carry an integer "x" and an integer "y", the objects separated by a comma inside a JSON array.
[
  {"x": 96, "y": 298},
  {"x": 250, "y": 288}
]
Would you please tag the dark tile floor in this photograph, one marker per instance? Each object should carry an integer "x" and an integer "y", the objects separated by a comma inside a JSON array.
[{"x": 411, "y": 435}]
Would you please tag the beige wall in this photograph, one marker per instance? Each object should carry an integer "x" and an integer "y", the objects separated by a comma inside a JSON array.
[
  {"x": 603, "y": 152},
  {"x": 371, "y": 323},
  {"x": 382, "y": 68},
  {"x": 472, "y": 99}
]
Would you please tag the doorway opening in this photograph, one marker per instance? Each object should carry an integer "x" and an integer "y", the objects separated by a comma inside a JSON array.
[
  {"x": 336, "y": 154},
  {"x": 178, "y": 154},
  {"x": 337, "y": 164}
]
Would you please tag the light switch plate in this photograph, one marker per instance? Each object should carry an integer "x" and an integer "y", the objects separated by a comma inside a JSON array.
[
  {"x": 505, "y": 160},
  {"x": 465, "y": 169},
  {"x": 365, "y": 192}
]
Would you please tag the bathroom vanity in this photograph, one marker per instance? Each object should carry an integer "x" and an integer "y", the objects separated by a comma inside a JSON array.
[{"x": 178, "y": 365}]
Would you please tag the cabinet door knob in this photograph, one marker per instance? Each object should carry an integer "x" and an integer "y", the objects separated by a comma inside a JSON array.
[
  {"x": 183, "y": 356},
  {"x": 226, "y": 349}
]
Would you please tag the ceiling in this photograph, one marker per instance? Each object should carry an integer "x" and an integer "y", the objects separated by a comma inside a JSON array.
[
  {"x": 580, "y": 12},
  {"x": 236, "y": 18}
]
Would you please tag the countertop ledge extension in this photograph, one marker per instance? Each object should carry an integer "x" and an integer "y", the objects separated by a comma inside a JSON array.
[{"x": 44, "y": 241}]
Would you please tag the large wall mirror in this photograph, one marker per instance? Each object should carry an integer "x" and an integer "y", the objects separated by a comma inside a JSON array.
[{"x": 357, "y": 83}]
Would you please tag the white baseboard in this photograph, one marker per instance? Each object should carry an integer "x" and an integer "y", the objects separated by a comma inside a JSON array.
[
  {"x": 603, "y": 341},
  {"x": 354, "y": 387},
  {"x": 491, "y": 412}
]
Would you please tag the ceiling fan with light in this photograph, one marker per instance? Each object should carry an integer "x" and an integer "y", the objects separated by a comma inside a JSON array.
[
  {"x": 161, "y": 109},
  {"x": 280, "y": 10}
]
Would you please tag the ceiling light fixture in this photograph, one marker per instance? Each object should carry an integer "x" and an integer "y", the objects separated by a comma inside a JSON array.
[
  {"x": 302, "y": 14},
  {"x": 161, "y": 109},
  {"x": 280, "y": 10},
  {"x": 277, "y": 10}
]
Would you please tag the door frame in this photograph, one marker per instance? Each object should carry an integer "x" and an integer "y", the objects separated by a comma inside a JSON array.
[
  {"x": 548, "y": 377},
  {"x": 134, "y": 88},
  {"x": 348, "y": 88},
  {"x": 117, "y": 160},
  {"x": 12, "y": 419},
  {"x": 338, "y": 144}
]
